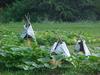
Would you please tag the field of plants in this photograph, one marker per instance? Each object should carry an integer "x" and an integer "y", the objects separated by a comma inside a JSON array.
[{"x": 16, "y": 58}]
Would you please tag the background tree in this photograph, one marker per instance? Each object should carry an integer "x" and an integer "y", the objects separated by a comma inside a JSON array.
[
  {"x": 58, "y": 10},
  {"x": 4, "y": 3}
]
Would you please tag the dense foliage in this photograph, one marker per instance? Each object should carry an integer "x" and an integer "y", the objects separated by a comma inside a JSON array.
[
  {"x": 60, "y": 10},
  {"x": 4, "y": 3},
  {"x": 15, "y": 55}
]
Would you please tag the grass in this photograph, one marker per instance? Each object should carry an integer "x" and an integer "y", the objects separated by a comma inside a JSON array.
[
  {"x": 34, "y": 73},
  {"x": 44, "y": 72},
  {"x": 92, "y": 28}
]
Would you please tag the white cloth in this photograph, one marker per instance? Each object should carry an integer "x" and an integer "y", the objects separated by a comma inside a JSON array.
[
  {"x": 77, "y": 46},
  {"x": 28, "y": 31},
  {"x": 86, "y": 50},
  {"x": 60, "y": 48}
]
